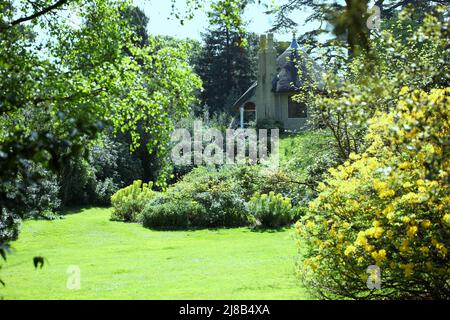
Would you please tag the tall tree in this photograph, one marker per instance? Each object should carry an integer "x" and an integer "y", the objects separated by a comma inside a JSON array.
[
  {"x": 56, "y": 96},
  {"x": 227, "y": 63},
  {"x": 348, "y": 19}
]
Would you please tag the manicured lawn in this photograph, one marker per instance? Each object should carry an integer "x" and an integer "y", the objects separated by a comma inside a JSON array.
[{"x": 126, "y": 261}]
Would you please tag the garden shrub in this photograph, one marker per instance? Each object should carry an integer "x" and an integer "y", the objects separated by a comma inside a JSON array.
[
  {"x": 387, "y": 207},
  {"x": 259, "y": 178},
  {"x": 215, "y": 197},
  {"x": 272, "y": 210},
  {"x": 270, "y": 124},
  {"x": 129, "y": 202},
  {"x": 9, "y": 225},
  {"x": 219, "y": 192},
  {"x": 42, "y": 196},
  {"x": 175, "y": 214},
  {"x": 113, "y": 167},
  {"x": 104, "y": 190},
  {"x": 76, "y": 181},
  {"x": 298, "y": 212}
]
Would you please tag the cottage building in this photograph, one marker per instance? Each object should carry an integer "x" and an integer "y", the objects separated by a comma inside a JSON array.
[{"x": 279, "y": 79}]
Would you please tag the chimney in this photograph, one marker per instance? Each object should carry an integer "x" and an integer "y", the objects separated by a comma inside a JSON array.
[
  {"x": 271, "y": 73},
  {"x": 267, "y": 68}
]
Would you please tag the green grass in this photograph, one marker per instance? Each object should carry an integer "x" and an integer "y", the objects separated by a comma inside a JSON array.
[{"x": 126, "y": 261}]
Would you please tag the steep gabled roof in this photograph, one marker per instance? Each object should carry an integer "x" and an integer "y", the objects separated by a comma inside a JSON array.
[
  {"x": 296, "y": 67},
  {"x": 247, "y": 95}
]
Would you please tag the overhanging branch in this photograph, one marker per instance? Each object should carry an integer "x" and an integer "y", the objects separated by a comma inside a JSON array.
[{"x": 37, "y": 14}]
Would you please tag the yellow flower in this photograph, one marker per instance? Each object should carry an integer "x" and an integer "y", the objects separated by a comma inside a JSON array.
[
  {"x": 361, "y": 240},
  {"x": 404, "y": 247},
  {"x": 408, "y": 268},
  {"x": 404, "y": 165},
  {"x": 350, "y": 250},
  {"x": 412, "y": 231},
  {"x": 446, "y": 219},
  {"x": 369, "y": 232},
  {"x": 422, "y": 189},
  {"x": 425, "y": 251},
  {"x": 407, "y": 185},
  {"x": 354, "y": 156},
  {"x": 360, "y": 260},
  {"x": 313, "y": 205},
  {"x": 404, "y": 90},
  {"x": 379, "y": 256},
  {"x": 310, "y": 224},
  {"x": 386, "y": 194},
  {"x": 378, "y": 232},
  {"x": 390, "y": 216},
  {"x": 426, "y": 224},
  {"x": 442, "y": 249},
  {"x": 389, "y": 209},
  {"x": 369, "y": 248}
]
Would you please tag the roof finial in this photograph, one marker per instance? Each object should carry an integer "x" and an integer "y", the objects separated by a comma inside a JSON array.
[{"x": 294, "y": 44}]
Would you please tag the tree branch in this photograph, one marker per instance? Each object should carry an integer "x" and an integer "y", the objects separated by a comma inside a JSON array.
[{"x": 37, "y": 14}]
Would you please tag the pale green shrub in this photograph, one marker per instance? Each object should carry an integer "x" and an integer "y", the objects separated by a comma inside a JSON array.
[{"x": 129, "y": 202}]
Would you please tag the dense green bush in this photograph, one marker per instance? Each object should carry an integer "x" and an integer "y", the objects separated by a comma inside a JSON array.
[
  {"x": 104, "y": 191},
  {"x": 220, "y": 194},
  {"x": 9, "y": 225},
  {"x": 77, "y": 182},
  {"x": 129, "y": 202},
  {"x": 272, "y": 210},
  {"x": 298, "y": 212},
  {"x": 41, "y": 199},
  {"x": 214, "y": 197},
  {"x": 93, "y": 178},
  {"x": 175, "y": 214},
  {"x": 304, "y": 159}
]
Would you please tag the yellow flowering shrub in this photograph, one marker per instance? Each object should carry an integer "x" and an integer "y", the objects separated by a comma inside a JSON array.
[
  {"x": 129, "y": 202},
  {"x": 388, "y": 207}
]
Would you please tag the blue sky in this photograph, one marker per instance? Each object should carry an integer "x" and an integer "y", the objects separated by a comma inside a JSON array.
[{"x": 159, "y": 11}]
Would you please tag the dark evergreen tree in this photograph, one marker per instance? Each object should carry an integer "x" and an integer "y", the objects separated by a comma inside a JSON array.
[{"x": 227, "y": 63}]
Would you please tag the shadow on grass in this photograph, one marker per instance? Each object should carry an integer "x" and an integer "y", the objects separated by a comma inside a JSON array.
[
  {"x": 217, "y": 229},
  {"x": 77, "y": 209},
  {"x": 260, "y": 229},
  {"x": 190, "y": 229}
]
